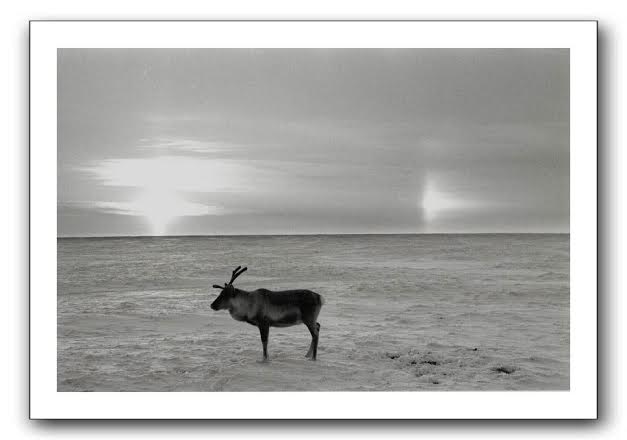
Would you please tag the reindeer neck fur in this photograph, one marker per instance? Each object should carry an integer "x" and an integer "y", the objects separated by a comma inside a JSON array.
[{"x": 240, "y": 306}]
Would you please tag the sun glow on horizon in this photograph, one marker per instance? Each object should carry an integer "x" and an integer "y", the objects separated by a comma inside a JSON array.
[
  {"x": 436, "y": 203},
  {"x": 161, "y": 208},
  {"x": 162, "y": 183}
]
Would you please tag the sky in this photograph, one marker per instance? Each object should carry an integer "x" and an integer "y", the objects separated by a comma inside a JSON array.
[{"x": 312, "y": 141}]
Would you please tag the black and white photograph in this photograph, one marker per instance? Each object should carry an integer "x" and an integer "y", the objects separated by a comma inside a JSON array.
[{"x": 313, "y": 219}]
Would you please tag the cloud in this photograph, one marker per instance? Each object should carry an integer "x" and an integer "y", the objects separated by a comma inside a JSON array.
[
  {"x": 175, "y": 173},
  {"x": 153, "y": 203},
  {"x": 159, "y": 208},
  {"x": 181, "y": 146}
]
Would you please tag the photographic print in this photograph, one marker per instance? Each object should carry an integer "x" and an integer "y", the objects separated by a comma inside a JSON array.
[
  {"x": 423, "y": 193},
  {"x": 313, "y": 219}
]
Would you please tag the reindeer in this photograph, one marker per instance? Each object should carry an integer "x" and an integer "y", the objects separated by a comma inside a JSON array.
[{"x": 264, "y": 308}]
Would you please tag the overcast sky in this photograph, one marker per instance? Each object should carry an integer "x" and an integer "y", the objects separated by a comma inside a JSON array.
[{"x": 245, "y": 141}]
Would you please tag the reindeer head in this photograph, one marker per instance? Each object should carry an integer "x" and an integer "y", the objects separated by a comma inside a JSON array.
[{"x": 224, "y": 299}]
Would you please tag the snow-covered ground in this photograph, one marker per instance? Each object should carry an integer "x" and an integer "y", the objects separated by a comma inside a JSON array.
[{"x": 402, "y": 312}]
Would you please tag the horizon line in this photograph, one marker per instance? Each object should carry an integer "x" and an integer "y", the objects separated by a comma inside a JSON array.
[{"x": 312, "y": 234}]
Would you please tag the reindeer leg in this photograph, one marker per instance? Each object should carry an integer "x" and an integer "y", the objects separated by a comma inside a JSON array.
[
  {"x": 264, "y": 330},
  {"x": 314, "y": 329},
  {"x": 311, "y": 345},
  {"x": 315, "y": 351}
]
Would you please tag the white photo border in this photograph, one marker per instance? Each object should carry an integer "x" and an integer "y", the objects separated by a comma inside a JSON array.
[{"x": 580, "y": 402}]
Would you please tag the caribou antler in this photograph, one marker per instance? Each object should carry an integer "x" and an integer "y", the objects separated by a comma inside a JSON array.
[{"x": 237, "y": 272}]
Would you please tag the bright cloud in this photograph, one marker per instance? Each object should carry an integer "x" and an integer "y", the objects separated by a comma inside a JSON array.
[
  {"x": 159, "y": 208},
  {"x": 176, "y": 173},
  {"x": 163, "y": 182}
]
